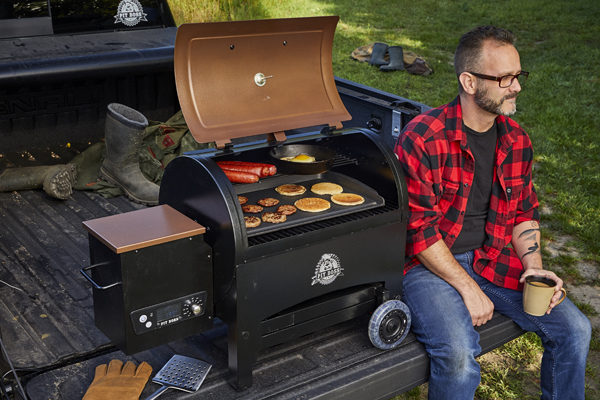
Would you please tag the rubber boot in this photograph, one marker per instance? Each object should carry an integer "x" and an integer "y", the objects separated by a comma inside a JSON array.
[
  {"x": 378, "y": 54},
  {"x": 56, "y": 180},
  {"x": 396, "y": 60},
  {"x": 124, "y": 133}
]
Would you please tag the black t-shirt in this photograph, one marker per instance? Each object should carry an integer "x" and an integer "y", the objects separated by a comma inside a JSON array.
[{"x": 483, "y": 147}]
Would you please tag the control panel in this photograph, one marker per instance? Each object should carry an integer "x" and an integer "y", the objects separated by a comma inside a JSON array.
[{"x": 168, "y": 313}]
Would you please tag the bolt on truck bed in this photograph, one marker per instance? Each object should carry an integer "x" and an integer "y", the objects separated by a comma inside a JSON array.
[{"x": 53, "y": 96}]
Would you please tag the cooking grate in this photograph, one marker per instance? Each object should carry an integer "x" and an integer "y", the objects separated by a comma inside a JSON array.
[
  {"x": 343, "y": 160},
  {"x": 315, "y": 226}
]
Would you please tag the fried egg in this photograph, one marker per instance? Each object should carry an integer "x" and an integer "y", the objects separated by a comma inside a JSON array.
[{"x": 300, "y": 158}]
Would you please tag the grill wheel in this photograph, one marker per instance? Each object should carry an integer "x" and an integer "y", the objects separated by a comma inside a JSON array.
[{"x": 389, "y": 324}]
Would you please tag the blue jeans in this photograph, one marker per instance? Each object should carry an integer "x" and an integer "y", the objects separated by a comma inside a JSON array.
[{"x": 443, "y": 324}]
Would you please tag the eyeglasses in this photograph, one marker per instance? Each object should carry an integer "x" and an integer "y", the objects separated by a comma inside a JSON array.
[{"x": 506, "y": 80}]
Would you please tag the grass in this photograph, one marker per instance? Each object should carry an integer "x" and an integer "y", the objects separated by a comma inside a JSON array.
[
  {"x": 559, "y": 44},
  {"x": 509, "y": 372}
]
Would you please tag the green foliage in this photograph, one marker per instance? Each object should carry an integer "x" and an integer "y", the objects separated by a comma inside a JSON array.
[
  {"x": 510, "y": 367},
  {"x": 585, "y": 308},
  {"x": 415, "y": 394},
  {"x": 567, "y": 264},
  {"x": 595, "y": 342},
  {"x": 211, "y": 10}
]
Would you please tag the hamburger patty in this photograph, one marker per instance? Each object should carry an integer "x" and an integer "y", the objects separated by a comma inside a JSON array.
[
  {"x": 268, "y": 202},
  {"x": 274, "y": 218},
  {"x": 286, "y": 209},
  {"x": 252, "y": 222},
  {"x": 251, "y": 208}
]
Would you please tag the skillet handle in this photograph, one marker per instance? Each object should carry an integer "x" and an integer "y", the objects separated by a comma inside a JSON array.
[
  {"x": 89, "y": 278},
  {"x": 157, "y": 393}
]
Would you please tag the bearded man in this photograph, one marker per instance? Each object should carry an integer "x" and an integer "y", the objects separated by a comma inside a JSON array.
[{"x": 473, "y": 230}]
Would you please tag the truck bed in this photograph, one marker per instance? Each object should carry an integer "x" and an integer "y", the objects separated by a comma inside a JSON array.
[
  {"x": 47, "y": 322},
  {"x": 54, "y": 91}
]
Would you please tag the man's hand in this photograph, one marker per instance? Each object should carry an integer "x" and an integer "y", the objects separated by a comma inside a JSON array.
[
  {"x": 479, "y": 305},
  {"x": 550, "y": 275},
  {"x": 439, "y": 260},
  {"x": 525, "y": 241}
]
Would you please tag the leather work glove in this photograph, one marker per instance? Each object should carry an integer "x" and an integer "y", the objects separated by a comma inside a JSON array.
[{"x": 116, "y": 382}]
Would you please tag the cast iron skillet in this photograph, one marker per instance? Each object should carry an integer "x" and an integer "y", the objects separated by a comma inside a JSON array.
[{"x": 324, "y": 159}]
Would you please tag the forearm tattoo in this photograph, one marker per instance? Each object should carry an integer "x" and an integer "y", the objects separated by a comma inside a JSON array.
[{"x": 530, "y": 234}]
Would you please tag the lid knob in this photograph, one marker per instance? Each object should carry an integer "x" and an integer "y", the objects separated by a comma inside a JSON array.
[{"x": 260, "y": 79}]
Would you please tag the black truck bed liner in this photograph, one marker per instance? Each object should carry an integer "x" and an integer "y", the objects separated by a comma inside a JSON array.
[{"x": 48, "y": 326}]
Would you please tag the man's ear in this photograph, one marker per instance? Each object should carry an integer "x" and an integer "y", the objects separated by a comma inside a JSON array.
[{"x": 468, "y": 82}]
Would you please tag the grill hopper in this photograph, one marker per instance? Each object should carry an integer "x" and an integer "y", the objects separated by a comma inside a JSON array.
[{"x": 290, "y": 280}]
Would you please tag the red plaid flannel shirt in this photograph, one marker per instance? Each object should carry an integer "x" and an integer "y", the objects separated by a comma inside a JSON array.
[{"x": 438, "y": 166}]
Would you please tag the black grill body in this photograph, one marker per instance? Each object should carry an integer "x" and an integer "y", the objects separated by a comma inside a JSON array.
[{"x": 268, "y": 287}]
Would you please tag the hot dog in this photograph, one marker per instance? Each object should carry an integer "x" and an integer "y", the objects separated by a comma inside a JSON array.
[
  {"x": 272, "y": 168},
  {"x": 240, "y": 177},
  {"x": 255, "y": 169}
]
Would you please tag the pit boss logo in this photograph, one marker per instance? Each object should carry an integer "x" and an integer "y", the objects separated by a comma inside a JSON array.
[
  {"x": 328, "y": 268},
  {"x": 130, "y": 13}
]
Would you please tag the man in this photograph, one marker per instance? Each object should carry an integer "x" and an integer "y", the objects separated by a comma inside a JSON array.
[{"x": 473, "y": 232}]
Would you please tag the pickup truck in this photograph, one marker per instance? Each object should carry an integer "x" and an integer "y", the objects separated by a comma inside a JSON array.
[{"x": 61, "y": 64}]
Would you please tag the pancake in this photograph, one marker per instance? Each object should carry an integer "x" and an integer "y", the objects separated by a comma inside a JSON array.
[
  {"x": 252, "y": 222},
  {"x": 290, "y": 190},
  {"x": 326, "y": 188},
  {"x": 312, "y": 204},
  {"x": 274, "y": 218},
  {"x": 347, "y": 199}
]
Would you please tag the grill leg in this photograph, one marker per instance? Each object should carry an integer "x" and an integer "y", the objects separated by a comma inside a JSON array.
[{"x": 244, "y": 345}]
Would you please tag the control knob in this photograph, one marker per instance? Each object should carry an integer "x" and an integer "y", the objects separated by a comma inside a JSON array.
[
  {"x": 196, "y": 309},
  {"x": 193, "y": 307}
]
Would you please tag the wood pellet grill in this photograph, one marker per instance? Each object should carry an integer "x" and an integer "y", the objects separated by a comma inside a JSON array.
[{"x": 164, "y": 273}]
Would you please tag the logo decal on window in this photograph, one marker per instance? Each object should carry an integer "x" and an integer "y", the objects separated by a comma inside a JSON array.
[{"x": 130, "y": 13}]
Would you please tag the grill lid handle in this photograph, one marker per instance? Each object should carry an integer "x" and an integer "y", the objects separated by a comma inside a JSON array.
[{"x": 278, "y": 137}]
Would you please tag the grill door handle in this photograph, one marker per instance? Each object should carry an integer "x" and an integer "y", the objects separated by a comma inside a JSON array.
[{"x": 89, "y": 278}]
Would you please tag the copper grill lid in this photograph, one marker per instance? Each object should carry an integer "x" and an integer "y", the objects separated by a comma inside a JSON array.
[{"x": 243, "y": 78}]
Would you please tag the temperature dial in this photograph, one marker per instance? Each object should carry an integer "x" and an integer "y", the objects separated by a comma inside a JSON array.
[
  {"x": 196, "y": 309},
  {"x": 193, "y": 306}
]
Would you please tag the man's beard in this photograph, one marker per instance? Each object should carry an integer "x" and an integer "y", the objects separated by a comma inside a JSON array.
[{"x": 494, "y": 107}]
